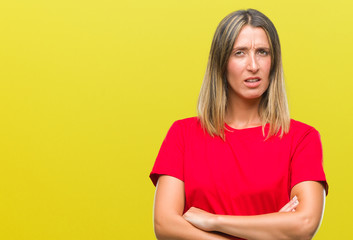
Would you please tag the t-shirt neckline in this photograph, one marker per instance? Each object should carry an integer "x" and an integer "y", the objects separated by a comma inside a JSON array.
[{"x": 231, "y": 129}]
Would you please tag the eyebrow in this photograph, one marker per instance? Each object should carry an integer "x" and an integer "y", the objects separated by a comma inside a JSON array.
[{"x": 246, "y": 48}]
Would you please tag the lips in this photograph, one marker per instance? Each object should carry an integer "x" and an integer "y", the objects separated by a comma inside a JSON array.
[{"x": 252, "y": 82}]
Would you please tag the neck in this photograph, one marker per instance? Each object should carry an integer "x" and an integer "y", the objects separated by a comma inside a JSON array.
[{"x": 242, "y": 113}]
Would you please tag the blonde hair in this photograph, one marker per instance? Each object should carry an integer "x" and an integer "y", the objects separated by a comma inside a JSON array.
[{"x": 212, "y": 103}]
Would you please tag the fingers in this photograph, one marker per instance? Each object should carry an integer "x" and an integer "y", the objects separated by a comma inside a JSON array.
[{"x": 291, "y": 205}]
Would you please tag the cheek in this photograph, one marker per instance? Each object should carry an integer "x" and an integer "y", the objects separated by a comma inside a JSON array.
[
  {"x": 267, "y": 65},
  {"x": 234, "y": 69}
]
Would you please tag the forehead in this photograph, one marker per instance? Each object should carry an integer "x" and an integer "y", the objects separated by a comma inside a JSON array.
[{"x": 251, "y": 36}]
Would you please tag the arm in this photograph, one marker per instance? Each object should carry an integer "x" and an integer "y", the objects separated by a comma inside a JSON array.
[
  {"x": 168, "y": 213},
  {"x": 301, "y": 224}
]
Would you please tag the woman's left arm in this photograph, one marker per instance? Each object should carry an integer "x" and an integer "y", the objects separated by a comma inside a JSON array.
[{"x": 300, "y": 224}]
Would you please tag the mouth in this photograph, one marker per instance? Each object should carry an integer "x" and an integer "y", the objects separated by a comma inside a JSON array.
[{"x": 252, "y": 80}]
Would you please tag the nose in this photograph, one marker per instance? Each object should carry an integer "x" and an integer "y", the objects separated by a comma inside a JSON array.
[{"x": 253, "y": 65}]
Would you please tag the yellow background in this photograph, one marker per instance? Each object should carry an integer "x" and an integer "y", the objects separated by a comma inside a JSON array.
[{"x": 88, "y": 90}]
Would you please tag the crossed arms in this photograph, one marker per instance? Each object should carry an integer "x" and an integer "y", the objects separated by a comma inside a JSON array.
[{"x": 171, "y": 224}]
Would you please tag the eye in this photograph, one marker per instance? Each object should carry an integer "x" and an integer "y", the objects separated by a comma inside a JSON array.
[
  {"x": 238, "y": 53},
  {"x": 263, "y": 52}
]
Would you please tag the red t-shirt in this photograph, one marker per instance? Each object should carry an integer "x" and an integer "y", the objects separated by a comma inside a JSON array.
[{"x": 243, "y": 175}]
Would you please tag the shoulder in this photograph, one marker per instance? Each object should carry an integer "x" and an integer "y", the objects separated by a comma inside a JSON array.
[
  {"x": 300, "y": 127},
  {"x": 299, "y": 130},
  {"x": 187, "y": 129},
  {"x": 189, "y": 120},
  {"x": 187, "y": 123}
]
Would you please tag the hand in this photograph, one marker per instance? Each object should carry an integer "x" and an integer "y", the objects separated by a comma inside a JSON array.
[
  {"x": 290, "y": 206},
  {"x": 200, "y": 219}
]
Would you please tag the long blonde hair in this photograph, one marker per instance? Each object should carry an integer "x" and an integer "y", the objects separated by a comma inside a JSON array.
[{"x": 212, "y": 103}]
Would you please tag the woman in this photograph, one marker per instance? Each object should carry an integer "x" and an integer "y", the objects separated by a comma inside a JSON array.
[{"x": 242, "y": 168}]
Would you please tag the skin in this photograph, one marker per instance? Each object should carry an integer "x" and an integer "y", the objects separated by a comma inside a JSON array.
[
  {"x": 250, "y": 58},
  {"x": 300, "y": 224},
  {"x": 169, "y": 223},
  {"x": 298, "y": 219}
]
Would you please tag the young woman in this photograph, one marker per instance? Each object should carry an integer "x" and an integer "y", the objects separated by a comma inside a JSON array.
[{"x": 242, "y": 168}]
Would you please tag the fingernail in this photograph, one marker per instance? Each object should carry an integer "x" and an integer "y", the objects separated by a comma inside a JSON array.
[{"x": 295, "y": 197}]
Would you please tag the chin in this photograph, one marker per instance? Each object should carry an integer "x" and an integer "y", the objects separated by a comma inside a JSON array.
[
  {"x": 252, "y": 96},
  {"x": 248, "y": 95}
]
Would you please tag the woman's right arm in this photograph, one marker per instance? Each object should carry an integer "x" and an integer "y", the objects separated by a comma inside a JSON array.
[{"x": 169, "y": 223}]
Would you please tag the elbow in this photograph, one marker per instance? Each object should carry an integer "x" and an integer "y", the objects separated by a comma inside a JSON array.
[
  {"x": 306, "y": 228},
  {"x": 159, "y": 229},
  {"x": 162, "y": 229},
  {"x": 310, "y": 227}
]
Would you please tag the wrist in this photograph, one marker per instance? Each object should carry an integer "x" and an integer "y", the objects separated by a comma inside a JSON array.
[{"x": 215, "y": 222}]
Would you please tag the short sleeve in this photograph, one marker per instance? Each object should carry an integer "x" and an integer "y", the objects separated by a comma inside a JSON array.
[
  {"x": 307, "y": 160},
  {"x": 169, "y": 160}
]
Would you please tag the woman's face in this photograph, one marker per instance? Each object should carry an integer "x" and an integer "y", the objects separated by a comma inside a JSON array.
[{"x": 249, "y": 64}]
